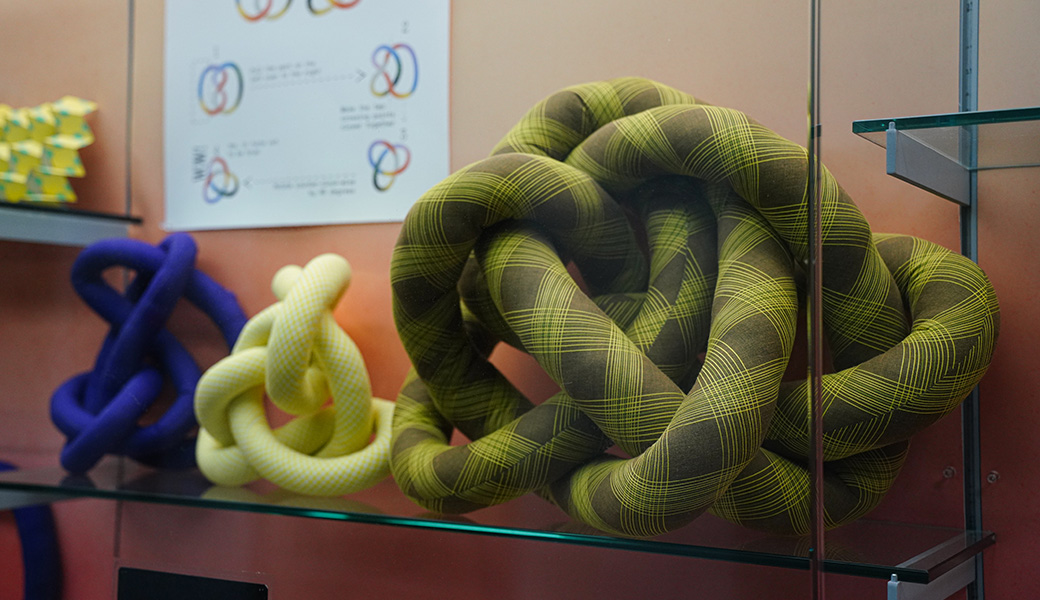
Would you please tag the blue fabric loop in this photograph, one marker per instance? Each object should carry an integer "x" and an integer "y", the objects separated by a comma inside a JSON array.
[
  {"x": 40, "y": 556},
  {"x": 98, "y": 410}
]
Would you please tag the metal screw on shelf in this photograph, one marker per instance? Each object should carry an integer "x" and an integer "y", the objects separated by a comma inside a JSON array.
[
  {"x": 949, "y": 472},
  {"x": 993, "y": 477}
]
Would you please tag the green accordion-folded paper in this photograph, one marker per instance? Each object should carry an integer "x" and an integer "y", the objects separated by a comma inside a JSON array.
[{"x": 687, "y": 227}]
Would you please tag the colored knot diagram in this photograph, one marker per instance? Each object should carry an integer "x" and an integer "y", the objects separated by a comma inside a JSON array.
[
  {"x": 220, "y": 88},
  {"x": 387, "y": 161},
  {"x": 220, "y": 181},
  {"x": 259, "y": 10},
  {"x": 296, "y": 352},
  {"x": 397, "y": 71},
  {"x": 323, "y": 6},
  {"x": 269, "y": 10}
]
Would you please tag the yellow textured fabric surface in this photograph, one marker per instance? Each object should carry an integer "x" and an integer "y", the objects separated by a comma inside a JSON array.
[
  {"x": 688, "y": 225},
  {"x": 297, "y": 352}
]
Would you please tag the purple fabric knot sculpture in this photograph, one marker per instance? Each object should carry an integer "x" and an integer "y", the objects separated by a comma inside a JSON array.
[{"x": 98, "y": 411}]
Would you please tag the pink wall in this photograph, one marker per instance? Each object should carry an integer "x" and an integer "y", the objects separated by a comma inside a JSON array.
[{"x": 881, "y": 58}]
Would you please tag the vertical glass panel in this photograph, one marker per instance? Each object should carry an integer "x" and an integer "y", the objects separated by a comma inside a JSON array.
[
  {"x": 1008, "y": 78},
  {"x": 818, "y": 195},
  {"x": 916, "y": 71},
  {"x": 506, "y": 57},
  {"x": 47, "y": 332}
]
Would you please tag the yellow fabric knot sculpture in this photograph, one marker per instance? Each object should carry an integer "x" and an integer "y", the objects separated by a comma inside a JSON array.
[
  {"x": 688, "y": 225},
  {"x": 300, "y": 354}
]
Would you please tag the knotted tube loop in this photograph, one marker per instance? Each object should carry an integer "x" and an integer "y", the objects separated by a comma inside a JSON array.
[
  {"x": 98, "y": 411},
  {"x": 872, "y": 409},
  {"x": 911, "y": 325},
  {"x": 41, "y": 554},
  {"x": 297, "y": 352}
]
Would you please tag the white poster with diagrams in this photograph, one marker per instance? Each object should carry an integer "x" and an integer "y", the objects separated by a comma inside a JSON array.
[{"x": 302, "y": 112}]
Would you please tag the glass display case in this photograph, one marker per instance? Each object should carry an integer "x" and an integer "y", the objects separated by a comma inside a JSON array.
[{"x": 924, "y": 540}]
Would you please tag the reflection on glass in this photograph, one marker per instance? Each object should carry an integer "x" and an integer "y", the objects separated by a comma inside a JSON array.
[{"x": 867, "y": 548}]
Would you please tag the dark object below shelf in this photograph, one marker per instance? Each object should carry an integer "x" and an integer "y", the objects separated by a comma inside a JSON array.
[{"x": 141, "y": 584}]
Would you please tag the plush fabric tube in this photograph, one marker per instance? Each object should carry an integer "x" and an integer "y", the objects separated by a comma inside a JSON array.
[
  {"x": 687, "y": 226},
  {"x": 98, "y": 411},
  {"x": 41, "y": 556},
  {"x": 296, "y": 352}
]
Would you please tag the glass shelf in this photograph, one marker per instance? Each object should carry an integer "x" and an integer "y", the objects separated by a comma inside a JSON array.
[
  {"x": 914, "y": 553},
  {"x": 1007, "y": 138},
  {"x": 58, "y": 224}
]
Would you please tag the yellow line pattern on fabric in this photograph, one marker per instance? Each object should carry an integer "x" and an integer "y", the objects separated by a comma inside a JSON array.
[
  {"x": 687, "y": 223},
  {"x": 297, "y": 352}
]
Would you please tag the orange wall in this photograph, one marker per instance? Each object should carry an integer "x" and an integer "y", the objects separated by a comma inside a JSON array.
[{"x": 881, "y": 58}]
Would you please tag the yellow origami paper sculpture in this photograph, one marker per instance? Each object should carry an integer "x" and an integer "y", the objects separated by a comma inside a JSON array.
[
  {"x": 16, "y": 124},
  {"x": 70, "y": 117},
  {"x": 41, "y": 123},
  {"x": 26, "y": 155},
  {"x": 39, "y": 149},
  {"x": 12, "y": 185},
  {"x": 43, "y": 187}
]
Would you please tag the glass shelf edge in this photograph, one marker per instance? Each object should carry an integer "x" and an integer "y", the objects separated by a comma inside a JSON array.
[
  {"x": 914, "y": 570},
  {"x": 973, "y": 141},
  {"x": 62, "y": 210},
  {"x": 957, "y": 119},
  {"x": 612, "y": 543},
  {"x": 27, "y": 222},
  {"x": 918, "y": 571}
]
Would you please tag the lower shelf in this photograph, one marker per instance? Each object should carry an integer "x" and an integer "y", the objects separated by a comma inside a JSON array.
[{"x": 913, "y": 553}]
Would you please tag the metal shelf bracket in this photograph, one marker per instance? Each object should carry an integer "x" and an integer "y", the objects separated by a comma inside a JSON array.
[{"x": 926, "y": 168}]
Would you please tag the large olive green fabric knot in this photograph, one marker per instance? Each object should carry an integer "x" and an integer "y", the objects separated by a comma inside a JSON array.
[{"x": 645, "y": 248}]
